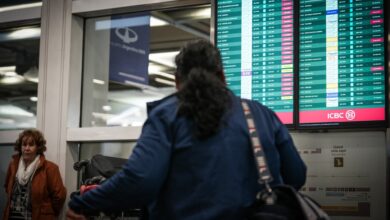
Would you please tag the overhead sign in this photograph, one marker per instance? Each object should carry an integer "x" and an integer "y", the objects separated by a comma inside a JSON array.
[{"x": 129, "y": 48}]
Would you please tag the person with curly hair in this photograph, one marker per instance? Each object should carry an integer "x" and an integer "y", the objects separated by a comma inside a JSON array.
[
  {"x": 194, "y": 160},
  {"x": 33, "y": 184}
]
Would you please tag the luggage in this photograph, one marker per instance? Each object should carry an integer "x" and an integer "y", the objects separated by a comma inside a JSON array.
[{"x": 94, "y": 172}]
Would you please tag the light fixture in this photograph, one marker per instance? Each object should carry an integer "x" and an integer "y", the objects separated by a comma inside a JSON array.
[
  {"x": 34, "y": 98},
  {"x": 7, "y": 121},
  {"x": 22, "y": 6},
  {"x": 98, "y": 81},
  {"x": 4, "y": 69},
  {"x": 10, "y": 78},
  {"x": 155, "y": 22},
  {"x": 137, "y": 123},
  {"x": 203, "y": 13},
  {"x": 106, "y": 108},
  {"x": 25, "y": 33},
  {"x": 14, "y": 111}
]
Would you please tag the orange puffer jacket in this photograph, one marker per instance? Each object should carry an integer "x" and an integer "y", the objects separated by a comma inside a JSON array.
[{"x": 47, "y": 189}]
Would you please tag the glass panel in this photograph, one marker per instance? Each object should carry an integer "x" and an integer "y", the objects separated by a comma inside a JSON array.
[
  {"x": 19, "y": 57},
  {"x": 111, "y": 149},
  {"x": 6, "y": 153},
  {"x": 129, "y": 60},
  {"x": 120, "y": 150}
]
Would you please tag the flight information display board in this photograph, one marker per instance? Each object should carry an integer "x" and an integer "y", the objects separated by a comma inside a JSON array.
[
  {"x": 255, "y": 38},
  {"x": 341, "y": 61}
]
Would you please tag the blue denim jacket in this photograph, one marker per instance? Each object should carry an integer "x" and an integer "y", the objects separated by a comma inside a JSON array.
[{"x": 180, "y": 177}]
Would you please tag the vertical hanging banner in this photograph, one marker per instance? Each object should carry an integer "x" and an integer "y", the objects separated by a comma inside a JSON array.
[{"x": 129, "y": 48}]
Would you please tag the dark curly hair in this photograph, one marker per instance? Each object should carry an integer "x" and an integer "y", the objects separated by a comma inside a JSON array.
[
  {"x": 202, "y": 92},
  {"x": 31, "y": 136}
]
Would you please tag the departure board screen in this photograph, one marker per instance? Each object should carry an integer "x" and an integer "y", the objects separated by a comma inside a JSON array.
[
  {"x": 341, "y": 61},
  {"x": 255, "y": 38}
]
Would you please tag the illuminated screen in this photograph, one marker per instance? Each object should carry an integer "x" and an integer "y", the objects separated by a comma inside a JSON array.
[
  {"x": 256, "y": 43},
  {"x": 341, "y": 61}
]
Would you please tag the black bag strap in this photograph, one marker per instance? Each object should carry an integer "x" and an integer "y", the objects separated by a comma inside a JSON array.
[{"x": 265, "y": 176}]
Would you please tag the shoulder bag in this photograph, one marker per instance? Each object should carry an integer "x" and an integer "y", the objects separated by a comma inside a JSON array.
[{"x": 280, "y": 202}]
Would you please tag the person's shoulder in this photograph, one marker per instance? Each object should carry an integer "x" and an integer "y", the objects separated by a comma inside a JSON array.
[
  {"x": 256, "y": 105},
  {"x": 163, "y": 107}
]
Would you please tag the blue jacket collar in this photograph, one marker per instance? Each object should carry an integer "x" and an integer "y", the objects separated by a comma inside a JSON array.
[{"x": 151, "y": 105}]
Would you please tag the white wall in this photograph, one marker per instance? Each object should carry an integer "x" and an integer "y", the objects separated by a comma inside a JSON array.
[{"x": 346, "y": 172}]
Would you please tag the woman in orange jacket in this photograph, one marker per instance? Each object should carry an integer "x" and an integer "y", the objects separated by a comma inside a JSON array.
[{"x": 33, "y": 184}]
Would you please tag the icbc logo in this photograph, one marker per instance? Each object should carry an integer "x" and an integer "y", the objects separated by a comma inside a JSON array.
[{"x": 349, "y": 115}]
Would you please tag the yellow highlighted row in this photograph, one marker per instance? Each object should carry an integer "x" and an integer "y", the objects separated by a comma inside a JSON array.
[
  {"x": 286, "y": 97},
  {"x": 287, "y": 70},
  {"x": 332, "y": 86}
]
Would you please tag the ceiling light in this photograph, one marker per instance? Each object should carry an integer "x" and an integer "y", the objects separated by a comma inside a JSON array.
[
  {"x": 164, "y": 81},
  {"x": 10, "y": 74},
  {"x": 106, "y": 108},
  {"x": 203, "y": 13},
  {"x": 14, "y": 111},
  {"x": 137, "y": 123},
  {"x": 15, "y": 7},
  {"x": 25, "y": 33},
  {"x": 7, "y": 121},
  {"x": 98, "y": 81},
  {"x": 13, "y": 79},
  {"x": 7, "y": 69},
  {"x": 34, "y": 98},
  {"x": 155, "y": 22}
]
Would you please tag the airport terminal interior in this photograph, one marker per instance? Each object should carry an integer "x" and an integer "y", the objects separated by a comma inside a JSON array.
[{"x": 82, "y": 72}]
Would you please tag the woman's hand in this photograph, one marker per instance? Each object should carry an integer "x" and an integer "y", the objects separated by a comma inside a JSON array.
[{"x": 71, "y": 215}]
